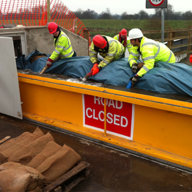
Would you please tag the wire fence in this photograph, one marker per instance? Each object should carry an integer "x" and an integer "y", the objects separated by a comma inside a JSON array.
[{"x": 34, "y": 13}]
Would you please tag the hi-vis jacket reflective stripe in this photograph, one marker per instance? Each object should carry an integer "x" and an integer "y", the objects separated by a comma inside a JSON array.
[
  {"x": 115, "y": 51},
  {"x": 129, "y": 45},
  {"x": 151, "y": 52},
  {"x": 63, "y": 47}
]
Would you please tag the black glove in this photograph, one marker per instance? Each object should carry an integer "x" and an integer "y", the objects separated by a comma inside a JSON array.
[
  {"x": 134, "y": 68},
  {"x": 134, "y": 79}
]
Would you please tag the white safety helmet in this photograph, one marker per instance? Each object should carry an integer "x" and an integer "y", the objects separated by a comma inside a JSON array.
[{"x": 135, "y": 33}]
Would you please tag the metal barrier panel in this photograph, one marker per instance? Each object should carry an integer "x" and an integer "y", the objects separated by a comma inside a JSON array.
[{"x": 149, "y": 125}]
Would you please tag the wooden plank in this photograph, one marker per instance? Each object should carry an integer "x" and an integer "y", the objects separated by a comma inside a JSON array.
[
  {"x": 58, "y": 189},
  {"x": 86, "y": 36},
  {"x": 182, "y": 52},
  {"x": 189, "y": 41},
  {"x": 48, "y": 11},
  {"x": 178, "y": 46},
  {"x": 74, "y": 171},
  {"x": 73, "y": 184},
  {"x": 170, "y": 35},
  {"x": 4, "y": 139},
  {"x": 174, "y": 38}
]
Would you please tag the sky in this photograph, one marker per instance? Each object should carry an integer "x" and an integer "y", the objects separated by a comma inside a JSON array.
[{"x": 120, "y": 6}]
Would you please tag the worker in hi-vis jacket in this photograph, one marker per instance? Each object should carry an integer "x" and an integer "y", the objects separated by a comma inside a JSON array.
[
  {"x": 109, "y": 48},
  {"x": 150, "y": 51},
  {"x": 122, "y": 38},
  {"x": 63, "y": 47}
]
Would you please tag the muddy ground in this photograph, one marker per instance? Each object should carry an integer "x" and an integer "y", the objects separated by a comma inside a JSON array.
[{"x": 111, "y": 170}]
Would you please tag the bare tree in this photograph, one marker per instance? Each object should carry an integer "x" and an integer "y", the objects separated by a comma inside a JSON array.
[
  {"x": 143, "y": 15},
  {"x": 79, "y": 13},
  {"x": 169, "y": 13},
  {"x": 106, "y": 15},
  {"x": 187, "y": 15}
]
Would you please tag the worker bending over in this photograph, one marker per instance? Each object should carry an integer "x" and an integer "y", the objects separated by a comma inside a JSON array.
[
  {"x": 122, "y": 38},
  {"x": 151, "y": 51},
  {"x": 63, "y": 47},
  {"x": 109, "y": 48}
]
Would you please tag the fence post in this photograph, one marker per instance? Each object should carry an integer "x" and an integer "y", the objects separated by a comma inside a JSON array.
[
  {"x": 48, "y": 11},
  {"x": 75, "y": 31},
  {"x": 170, "y": 35},
  {"x": 189, "y": 41},
  {"x": 86, "y": 36}
]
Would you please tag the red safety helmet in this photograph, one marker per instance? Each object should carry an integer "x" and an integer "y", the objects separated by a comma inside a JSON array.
[
  {"x": 99, "y": 41},
  {"x": 190, "y": 58},
  {"x": 124, "y": 32},
  {"x": 52, "y": 27}
]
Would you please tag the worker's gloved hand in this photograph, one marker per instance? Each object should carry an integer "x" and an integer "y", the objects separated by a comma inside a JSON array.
[
  {"x": 190, "y": 59},
  {"x": 49, "y": 62},
  {"x": 134, "y": 68},
  {"x": 95, "y": 69},
  {"x": 134, "y": 79}
]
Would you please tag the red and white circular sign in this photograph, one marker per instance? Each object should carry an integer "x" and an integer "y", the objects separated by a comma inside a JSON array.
[{"x": 156, "y": 2}]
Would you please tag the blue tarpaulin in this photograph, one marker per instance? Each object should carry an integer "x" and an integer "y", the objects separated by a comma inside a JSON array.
[{"x": 164, "y": 78}]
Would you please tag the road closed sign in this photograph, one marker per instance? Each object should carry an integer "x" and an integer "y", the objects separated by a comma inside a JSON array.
[
  {"x": 119, "y": 116},
  {"x": 156, "y": 3}
]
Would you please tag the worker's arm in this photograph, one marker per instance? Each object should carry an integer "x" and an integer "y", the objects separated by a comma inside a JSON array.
[
  {"x": 109, "y": 56},
  {"x": 148, "y": 57},
  {"x": 129, "y": 46},
  {"x": 93, "y": 54},
  {"x": 116, "y": 37},
  {"x": 61, "y": 45},
  {"x": 133, "y": 56}
]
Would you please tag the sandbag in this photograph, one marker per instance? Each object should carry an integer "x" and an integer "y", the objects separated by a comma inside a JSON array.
[
  {"x": 2, "y": 158},
  {"x": 50, "y": 149},
  {"x": 26, "y": 153},
  {"x": 15, "y": 177},
  {"x": 10, "y": 142},
  {"x": 29, "y": 137},
  {"x": 37, "y": 189},
  {"x": 59, "y": 163}
]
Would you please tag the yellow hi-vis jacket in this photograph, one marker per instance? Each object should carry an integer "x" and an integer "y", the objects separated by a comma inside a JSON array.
[
  {"x": 112, "y": 52},
  {"x": 63, "y": 47},
  {"x": 129, "y": 45},
  {"x": 151, "y": 52}
]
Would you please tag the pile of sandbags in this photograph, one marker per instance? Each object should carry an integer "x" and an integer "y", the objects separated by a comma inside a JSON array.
[
  {"x": 25, "y": 154},
  {"x": 8, "y": 148},
  {"x": 15, "y": 177},
  {"x": 57, "y": 164},
  {"x": 50, "y": 149},
  {"x": 35, "y": 157}
]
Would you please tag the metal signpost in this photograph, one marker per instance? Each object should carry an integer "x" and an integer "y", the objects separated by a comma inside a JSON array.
[{"x": 158, "y": 4}]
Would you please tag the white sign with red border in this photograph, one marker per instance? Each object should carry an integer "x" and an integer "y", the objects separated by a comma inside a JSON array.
[
  {"x": 119, "y": 116},
  {"x": 156, "y": 2}
]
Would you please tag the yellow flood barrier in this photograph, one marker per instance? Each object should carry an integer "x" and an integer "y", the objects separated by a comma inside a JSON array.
[{"x": 156, "y": 127}]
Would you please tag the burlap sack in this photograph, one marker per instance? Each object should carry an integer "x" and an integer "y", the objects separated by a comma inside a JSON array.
[
  {"x": 10, "y": 142},
  {"x": 15, "y": 177},
  {"x": 58, "y": 164},
  {"x": 50, "y": 149},
  {"x": 2, "y": 158},
  {"x": 29, "y": 137},
  {"x": 26, "y": 153},
  {"x": 37, "y": 189}
]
